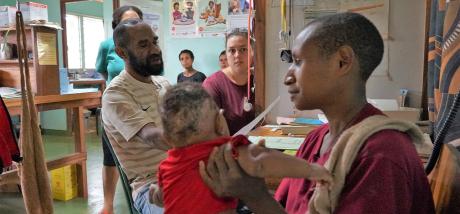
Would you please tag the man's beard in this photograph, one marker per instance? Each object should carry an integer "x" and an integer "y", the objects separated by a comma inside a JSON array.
[{"x": 146, "y": 68}]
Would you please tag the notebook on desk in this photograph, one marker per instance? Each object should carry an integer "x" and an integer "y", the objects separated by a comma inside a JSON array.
[{"x": 284, "y": 143}]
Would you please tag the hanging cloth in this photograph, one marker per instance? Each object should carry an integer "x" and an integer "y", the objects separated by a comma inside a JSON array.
[{"x": 33, "y": 173}]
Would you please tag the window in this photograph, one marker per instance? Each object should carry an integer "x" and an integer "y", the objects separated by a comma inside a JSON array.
[{"x": 83, "y": 41}]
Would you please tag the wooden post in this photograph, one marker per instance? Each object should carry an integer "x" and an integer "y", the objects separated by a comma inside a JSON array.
[
  {"x": 80, "y": 147},
  {"x": 260, "y": 7}
]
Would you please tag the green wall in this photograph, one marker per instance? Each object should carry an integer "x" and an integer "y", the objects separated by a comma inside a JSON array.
[{"x": 89, "y": 8}]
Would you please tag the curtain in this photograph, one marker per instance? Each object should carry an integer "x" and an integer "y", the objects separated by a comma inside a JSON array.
[{"x": 443, "y": 64}]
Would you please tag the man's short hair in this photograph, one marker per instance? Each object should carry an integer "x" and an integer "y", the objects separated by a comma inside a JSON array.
[
  {"x": 120, "y": 37},
  {"x": 350, "y": 29},
  {"x": 189, "y": 52},
  {"x": 182, "y": 108}
]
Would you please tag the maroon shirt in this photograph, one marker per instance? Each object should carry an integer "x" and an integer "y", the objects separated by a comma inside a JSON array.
[
  {"x": 229, "y": 96},
  {"x": 386, "y": 177}
]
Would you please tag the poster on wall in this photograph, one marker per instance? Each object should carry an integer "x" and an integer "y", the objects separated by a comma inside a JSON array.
[
  {"x": 377, "y": 11},
  {"x": 152, "y": 11},
  {"x": 213, "y": 18},
  {"x": 238, "y": 14},
  {"x": 320, "y": 8},
  {"x": 184, "y": 18}
]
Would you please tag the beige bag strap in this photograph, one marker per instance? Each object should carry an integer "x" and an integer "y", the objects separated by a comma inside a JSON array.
[{"x": 345, "y": 151}]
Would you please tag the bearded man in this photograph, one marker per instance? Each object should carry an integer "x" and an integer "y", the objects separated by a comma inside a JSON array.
[{"x": 130, "y": 109}]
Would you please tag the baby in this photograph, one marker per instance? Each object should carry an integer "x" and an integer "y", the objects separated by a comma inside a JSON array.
[{"x": 193, "y": 126}]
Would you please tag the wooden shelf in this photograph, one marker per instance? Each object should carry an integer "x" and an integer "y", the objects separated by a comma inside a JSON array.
[
  {"x": 13, "y": 61},
  {"x": 44, "y": 76}
]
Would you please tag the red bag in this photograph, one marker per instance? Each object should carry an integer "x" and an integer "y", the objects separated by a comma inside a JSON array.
[{"x": 9, "y": 150}]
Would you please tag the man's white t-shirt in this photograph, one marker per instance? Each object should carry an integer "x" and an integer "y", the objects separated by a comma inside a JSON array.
[{"x": 127, "y": 106}]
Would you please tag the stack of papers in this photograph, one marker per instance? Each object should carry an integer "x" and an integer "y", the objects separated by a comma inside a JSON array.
[{"x": 7, "y": 92}]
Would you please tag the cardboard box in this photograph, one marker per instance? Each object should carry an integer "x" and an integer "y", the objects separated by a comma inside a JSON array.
[
  {"x": 7, "y": 16},
  {"x": 404, "y": 113},
  {"x": 33, "y": 11},
  {"x": 390, "y": 107},
  {"x": 64, "y": 183}
]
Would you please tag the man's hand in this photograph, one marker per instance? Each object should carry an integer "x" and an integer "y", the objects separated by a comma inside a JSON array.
[{"x": 156, "y": 195}]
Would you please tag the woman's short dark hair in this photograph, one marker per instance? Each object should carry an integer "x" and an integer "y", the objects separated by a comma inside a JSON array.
[
  {"x": 189, "y": 52},
  {"x": 175, "y": 3},
  {"x": 222, "y": 53},
  {"x": 118, "y": 13}
]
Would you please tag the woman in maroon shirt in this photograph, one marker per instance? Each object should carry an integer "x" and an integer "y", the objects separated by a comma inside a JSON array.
[
  {"x": 228, "y": 87},
  {"x": 333, "y": 58}
]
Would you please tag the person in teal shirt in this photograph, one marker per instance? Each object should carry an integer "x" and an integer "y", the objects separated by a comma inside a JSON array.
[{"x": 109, "y": 64}]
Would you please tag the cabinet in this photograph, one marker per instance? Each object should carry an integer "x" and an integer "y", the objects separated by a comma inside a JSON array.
[{"x": 43, "y": 63}]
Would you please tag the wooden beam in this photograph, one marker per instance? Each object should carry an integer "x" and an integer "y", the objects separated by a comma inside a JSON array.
[
  {"x": 116, "y": 4},
  {"x": 260, "y": 7},
  {"x": 62, "y": 3},
  {"x": 66, "y": 160}
]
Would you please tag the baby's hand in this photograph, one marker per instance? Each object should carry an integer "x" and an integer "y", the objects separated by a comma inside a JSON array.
[
  {"x": 321, "y": 175},
  {"x": 156, "y": 195}
]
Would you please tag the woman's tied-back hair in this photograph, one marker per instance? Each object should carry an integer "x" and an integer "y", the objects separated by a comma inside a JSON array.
[
  {"x": 182, "y": 110},
  {"x": 118, "y": 13},
  {"x": 354, "y": 30},
  {"x": 243, "y": 32}
]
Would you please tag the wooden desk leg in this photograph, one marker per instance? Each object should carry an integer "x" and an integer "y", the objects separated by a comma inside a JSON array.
[
  {"x": 70, "y": 123},
  {"x": 80, "y": 147}
]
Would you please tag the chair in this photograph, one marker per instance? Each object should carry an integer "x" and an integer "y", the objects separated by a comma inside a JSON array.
[{"x": 124, "y": 179}]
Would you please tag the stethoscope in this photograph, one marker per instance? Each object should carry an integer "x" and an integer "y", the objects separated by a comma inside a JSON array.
[{"x": 247, "y": 106}]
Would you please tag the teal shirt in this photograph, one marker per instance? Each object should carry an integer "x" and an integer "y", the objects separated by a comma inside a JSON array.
[{"x": 108, "y": 62}]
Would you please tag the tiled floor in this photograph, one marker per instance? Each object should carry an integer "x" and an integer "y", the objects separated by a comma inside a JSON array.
[{"x": 56, "y": 146}]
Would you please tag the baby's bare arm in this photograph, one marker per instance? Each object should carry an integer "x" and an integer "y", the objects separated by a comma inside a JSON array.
[{"x": 259, "y": 161}]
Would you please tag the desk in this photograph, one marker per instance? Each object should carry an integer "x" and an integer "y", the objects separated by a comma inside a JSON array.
[
  {"x": 77, "y": 102},
  {"x": 272, "y": 183}
]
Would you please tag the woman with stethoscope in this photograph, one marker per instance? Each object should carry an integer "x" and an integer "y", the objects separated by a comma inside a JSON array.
[{"x": 229, "y": 86}]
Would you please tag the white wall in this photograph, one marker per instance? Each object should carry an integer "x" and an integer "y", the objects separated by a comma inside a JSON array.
[{"x": 406, "y": 30}]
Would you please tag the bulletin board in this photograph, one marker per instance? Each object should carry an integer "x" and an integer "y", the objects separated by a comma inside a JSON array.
[
  {"x": 153, "y": 13},
  {"x": 207, "y": 18}
]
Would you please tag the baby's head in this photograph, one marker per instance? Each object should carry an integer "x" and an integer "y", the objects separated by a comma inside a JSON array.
[{"x": 189, "y": 115}]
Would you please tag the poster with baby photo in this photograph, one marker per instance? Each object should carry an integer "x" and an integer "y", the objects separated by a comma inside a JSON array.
[
  {"x": 237, "y": 7},
  {"x": 184, "y": 18},
  {"x": 212, "y": 18},
  {"x": 238, "y": 13}
]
